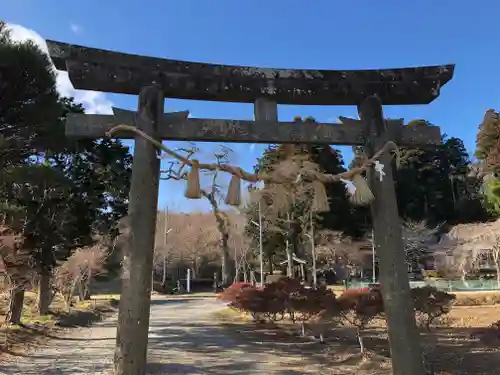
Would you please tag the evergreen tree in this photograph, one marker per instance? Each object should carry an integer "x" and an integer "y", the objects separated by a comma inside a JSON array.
[
  {"x": 65, "y": 190},
  {"x": 433, "y": 184},
  {"x": 488, "y": 154},
  {"x": 342, "y": 216}
]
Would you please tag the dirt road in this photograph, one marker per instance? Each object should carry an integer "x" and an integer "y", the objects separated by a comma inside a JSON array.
[{"x": 183, "y": 339}]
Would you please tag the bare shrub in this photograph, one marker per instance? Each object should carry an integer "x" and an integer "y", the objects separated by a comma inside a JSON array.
[
  {"x": 431, "y": 304},
  {"x": 18, "y": 270},
  {"x": 77, "y": 272}
]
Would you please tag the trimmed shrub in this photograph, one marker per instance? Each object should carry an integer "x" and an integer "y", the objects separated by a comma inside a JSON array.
[
  {"x": 260, "y": 303},
  {"x": 230, "y": 294},
  {"x": 430, "y": 304},
  {"x": 359, "y": 309},
  {"x": 320, "y": 309}
]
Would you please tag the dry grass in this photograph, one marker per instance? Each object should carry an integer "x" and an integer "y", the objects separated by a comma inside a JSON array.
[
  {"x": 449, "y": 348},
  {"x": 476, "y": 298},
  {"x": 35, "y": 329}
]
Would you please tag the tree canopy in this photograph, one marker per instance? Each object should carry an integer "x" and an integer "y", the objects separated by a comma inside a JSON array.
[{"x": 63, "y": 191}]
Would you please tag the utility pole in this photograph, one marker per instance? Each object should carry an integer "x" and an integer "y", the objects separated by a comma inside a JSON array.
[
  {"x": 166, "y": 231},
  {"x": 313, "y": 245},
  {"x": 374, "y": 274},
  {"x": 261, "y": 252}
]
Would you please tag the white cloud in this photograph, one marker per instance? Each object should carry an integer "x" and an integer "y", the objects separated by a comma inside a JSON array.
[
  {"x": 92, "y": 101},
  {"x": 77, "y": 29},
  {"x": 252, "y": 147}
]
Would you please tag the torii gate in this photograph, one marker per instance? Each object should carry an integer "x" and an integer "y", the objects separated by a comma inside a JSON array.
[{"x": 153, "y": 79}]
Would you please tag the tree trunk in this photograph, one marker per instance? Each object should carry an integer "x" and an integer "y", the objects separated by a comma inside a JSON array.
[
  {"x": 15, "y": 305},
  {"x": 302, "y": 329},
  {"x": 164, "y": 275},
  {"x": 83, "y": 290},
  {"x": 289, "y": 257},
  {"x": 237, "y": 269},
  {"x": 245, "y": 271},
  {"x": 463, "y": 279},
  {"x": 497, "y": 266},
  {"x": 226, "y": 262},
  {"x": 360, "y": 341},
  {"x": 44, "y": 293},
  {"x": 220, "y": 217},
  {"x": 496, "y": 258}
]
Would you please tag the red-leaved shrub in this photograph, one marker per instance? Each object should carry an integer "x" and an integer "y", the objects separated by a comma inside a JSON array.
[
  {"x": 320, "y": 309},
  {"x": 283, "y": 297},
  {"x": 359, "y": 309},
  {"x": 305, "y": 303},
  {"x": 260, "y": 303},
  {"x": 229, "y": 294}
]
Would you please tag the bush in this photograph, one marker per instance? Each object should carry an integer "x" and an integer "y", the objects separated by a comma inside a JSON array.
[
  {"x": 321, "y": 309},
  {"x": 318, "y": 307},
  {"x": 285, "y": 296},
  {"x": 360, "y": 308},
  {"x": 271, "y": 302},
  {"x": 230, "y": 294},
  {"x": 260, "y": 303},
  {"x": 430, "y": 304},
  {"x": 282, "y": 292},
  {"x": 305, "y": 303},
  {"x": 77, "y": 272}
]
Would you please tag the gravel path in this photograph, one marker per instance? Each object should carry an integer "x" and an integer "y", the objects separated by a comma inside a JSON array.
[{"x": 183, "y": 339}]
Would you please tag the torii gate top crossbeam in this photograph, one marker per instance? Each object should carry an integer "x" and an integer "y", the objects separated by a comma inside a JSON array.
[{"x": 122, "y": 73}]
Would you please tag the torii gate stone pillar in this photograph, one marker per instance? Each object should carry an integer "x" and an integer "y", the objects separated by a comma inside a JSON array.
[{"x": 137, "y": 268}]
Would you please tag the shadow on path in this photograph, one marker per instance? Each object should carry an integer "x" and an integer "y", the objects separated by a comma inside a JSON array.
[{"x": 183, "y": 339}]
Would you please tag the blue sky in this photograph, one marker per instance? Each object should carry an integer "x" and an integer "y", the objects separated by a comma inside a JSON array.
[{"x": 291, "y": 34}]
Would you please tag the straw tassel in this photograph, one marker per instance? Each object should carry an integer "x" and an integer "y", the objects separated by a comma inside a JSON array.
[
  {"x": 193, "y": 188},
  {"x": 320, "y": 199},
  {"x": 363, "y": 195},
  {"x": 233, "y": 197}
]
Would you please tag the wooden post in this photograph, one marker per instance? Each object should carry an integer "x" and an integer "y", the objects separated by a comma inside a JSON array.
[
  {"x": 313, "y": 251},
  {"x": 135, "y": 299},
  {"x": 188, "y": 280},
  {"x": 166, "y": 232},
  {"x": 215, "y": 283},
  {"x": 264, "y": 110},
  {"x": 252, "y": 277},
  {"x": 403, "y": 334}
]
